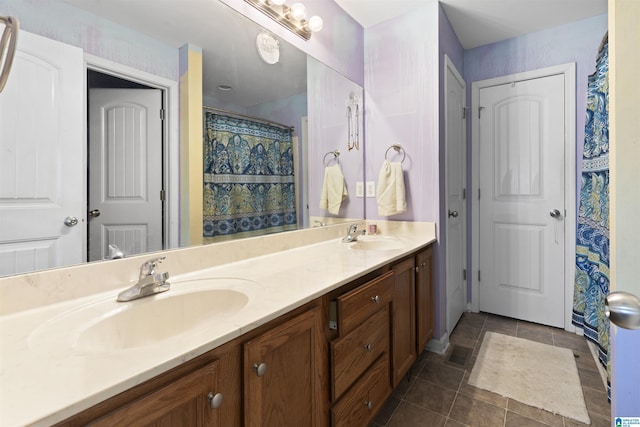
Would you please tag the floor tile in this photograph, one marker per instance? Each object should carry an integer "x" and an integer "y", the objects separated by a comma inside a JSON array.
[
  {"x": 517, "y": 420},
  {"x": 571, "y": 341},
  {"x": 430, "y": 396},
  {"x": 443, "y": 375},
  {"x": 540, "y": 415},
  {"x": 591, "y": 379},
  {"x": 501, "y": 325},
  {"x": 596, "y": 402},
  {"x": 596, "y": 421},
  {"x": 453, "y": 423},
  {"x": 466, "y": 337},
  {"x": 480, "y": 394},
  {"x": 408, "y": 414},
  {"x": 389, "y": 407},
  {"x": 476, "y": 413}
]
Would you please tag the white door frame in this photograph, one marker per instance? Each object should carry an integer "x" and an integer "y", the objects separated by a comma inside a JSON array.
[
  {"x": 449, "y": 65},
  {"x": 569, "y": 72},
  {"x": 171, "y": 153}
]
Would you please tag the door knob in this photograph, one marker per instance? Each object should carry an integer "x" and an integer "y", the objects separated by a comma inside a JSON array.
[
  {"x": 70, "y": 221},
  {"x": 623, "y": 309},
  {"x": 94, "y": 213},
  {"x": 555, "y": 213},
  {"x": 453, "y": 214}
]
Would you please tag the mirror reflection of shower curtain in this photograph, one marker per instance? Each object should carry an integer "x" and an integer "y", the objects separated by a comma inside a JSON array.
[{"x": 249, "y": 182}]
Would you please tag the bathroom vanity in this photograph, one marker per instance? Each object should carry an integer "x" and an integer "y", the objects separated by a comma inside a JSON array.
[{"x": 326, "y": 330}]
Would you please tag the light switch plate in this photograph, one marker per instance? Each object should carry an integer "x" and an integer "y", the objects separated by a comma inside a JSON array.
[
  {"x": 359, "y": 189},
  {"x": 371, "y": 189}
]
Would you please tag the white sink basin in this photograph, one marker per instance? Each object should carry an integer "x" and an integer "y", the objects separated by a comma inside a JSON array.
[
  {"x": 107, "y": 325},
  {"x": 377, "y": 243}
]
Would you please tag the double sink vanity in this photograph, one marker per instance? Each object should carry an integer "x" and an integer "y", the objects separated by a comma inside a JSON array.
[{"x": 297, "y": 328}]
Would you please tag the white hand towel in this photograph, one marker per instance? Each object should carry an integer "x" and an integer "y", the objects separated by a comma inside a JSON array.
[
  {"x": 334, "y": 189},
  {"x": 391, "y": 193}
]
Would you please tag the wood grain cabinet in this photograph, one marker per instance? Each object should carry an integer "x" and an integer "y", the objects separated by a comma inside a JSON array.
[
  {"x": 403, "y": 321},
  {"x": 424, "y": 298},
  {"x": 359, "y": 354},
  {"x": 412, "y": 311},
  {"x": 283, "y": 373}
]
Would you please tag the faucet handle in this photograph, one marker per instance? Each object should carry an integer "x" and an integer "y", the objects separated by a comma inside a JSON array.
[
  {"x": 353, "y": 228},
  {"x": 148, "y": 268}
]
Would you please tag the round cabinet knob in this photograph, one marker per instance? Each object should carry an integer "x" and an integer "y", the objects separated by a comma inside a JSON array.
[
  {"x": 368, "y": 347},
  {"x": 215, "y": 400},
  {"x": 376, "y": 299},
  {"x": 70, "y": 221},
  {"x": 368, "y": 404},
  {"x": 260, "y": 369},
  {"x": 555, "y": 213},
  {"x": 453, "y": 214}
]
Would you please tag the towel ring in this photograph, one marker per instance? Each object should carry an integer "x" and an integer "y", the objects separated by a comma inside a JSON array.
[
  {"x": 398, "y": 148},
  {"x": 336, "y": 154}
]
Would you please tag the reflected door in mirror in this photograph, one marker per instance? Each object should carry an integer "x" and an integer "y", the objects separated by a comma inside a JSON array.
[{"x": 42, "y": 201}]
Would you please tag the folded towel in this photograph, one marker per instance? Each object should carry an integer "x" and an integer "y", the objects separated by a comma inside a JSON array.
[
  {"x": 390, "y": 192},
  {"x": 334, "y": 189}
]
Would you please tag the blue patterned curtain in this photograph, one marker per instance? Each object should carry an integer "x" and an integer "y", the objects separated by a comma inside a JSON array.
[
  {"x": 249, "y": 184},
  {"x": 592, "y": 246}
]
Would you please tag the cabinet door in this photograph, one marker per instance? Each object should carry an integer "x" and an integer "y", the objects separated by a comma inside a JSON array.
[
  {"x": 185, "y": 402},
  {"x": 283, "y": 374},
  {"x": 403, "y": 320},
  {"x": 424, "y": 297}
]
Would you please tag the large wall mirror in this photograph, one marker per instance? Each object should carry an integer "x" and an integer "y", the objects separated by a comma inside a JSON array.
[{"x": 241, "y": 89}]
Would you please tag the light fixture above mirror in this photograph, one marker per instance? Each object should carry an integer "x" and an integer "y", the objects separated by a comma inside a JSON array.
[{"x": 293, "y": 18}]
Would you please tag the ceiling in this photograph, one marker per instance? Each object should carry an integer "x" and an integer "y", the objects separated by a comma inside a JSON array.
[{"x": 480, "y": 22}]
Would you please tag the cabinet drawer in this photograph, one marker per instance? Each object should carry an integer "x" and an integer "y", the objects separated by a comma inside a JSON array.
[
  {"x": 355, "y": 352},
  {"x": 355, "y": 306},
  {"x": 359, "y": 405}
]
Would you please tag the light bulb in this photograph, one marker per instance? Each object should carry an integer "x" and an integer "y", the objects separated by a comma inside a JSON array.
[
  {"x": 278, "y": 2},
  {"x": 298, "y": 11},
  {"x": 315, "y": 23}
]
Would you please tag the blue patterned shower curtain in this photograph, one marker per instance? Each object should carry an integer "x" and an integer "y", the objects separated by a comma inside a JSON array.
[
  {"x": 249, "y": 183},
  {"x": 592, "y": 246}
]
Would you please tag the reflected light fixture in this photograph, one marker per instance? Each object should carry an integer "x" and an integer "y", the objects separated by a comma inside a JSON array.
[{"x": 293, "y": 18}]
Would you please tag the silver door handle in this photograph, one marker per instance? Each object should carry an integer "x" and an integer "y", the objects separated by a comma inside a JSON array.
[
  {"x": 453, "y": 214},
  {"x": 94, "y": 213},
  {"x": 623, "y": 309},
  {"x": 70, "y": 221},
  {"x": 555, "y": 213}
]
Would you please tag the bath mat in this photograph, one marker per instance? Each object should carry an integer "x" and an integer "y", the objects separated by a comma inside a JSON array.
[{"x": 536, "y": 374}]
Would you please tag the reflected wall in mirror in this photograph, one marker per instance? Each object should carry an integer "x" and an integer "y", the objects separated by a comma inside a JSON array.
[{"x": 133, "y": 37}]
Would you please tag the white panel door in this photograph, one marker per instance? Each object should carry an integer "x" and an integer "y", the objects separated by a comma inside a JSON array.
[
  {"x": 522, "y": 200},
  {"x": 455, "y": 184},
  {"x": 125, "y": 171},
  {"x": 42, "y": 174}
]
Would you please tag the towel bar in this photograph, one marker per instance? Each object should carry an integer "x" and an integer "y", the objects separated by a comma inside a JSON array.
[
  {"x": 398, "y": 148},
  {"x": 336, "y": 154}
]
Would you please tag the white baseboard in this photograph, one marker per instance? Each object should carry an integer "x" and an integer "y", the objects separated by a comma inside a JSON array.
[{"x": 439, "y": 345}]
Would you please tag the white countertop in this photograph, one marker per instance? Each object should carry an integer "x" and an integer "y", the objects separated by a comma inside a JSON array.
[{"x": 45, "y": 377}]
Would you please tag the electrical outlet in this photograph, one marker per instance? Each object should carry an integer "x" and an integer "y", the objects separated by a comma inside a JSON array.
[
  {"x": 371, "y": 189},
  {"x": 359, "y": 189}
]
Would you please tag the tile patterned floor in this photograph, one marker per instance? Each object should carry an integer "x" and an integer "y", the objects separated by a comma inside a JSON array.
[{"x": 436, "y": 392}]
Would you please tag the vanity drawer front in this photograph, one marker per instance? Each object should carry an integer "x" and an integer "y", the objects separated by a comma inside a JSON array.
[
  {"x": 357, "y": 305},
  {"x": 352, "y": 354},
  {"x": 360, "y": 404}
]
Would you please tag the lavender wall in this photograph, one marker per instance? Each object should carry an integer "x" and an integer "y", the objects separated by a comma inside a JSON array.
[
  {"x": 95, "y": 35},
  {"x": 328, "y": 93}
]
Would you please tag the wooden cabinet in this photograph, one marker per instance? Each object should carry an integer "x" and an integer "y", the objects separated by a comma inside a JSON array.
[
  {"x": 425, "y": 318},
  {"x": 193, "y": 400},
  {"x": 360, "y": 376},
  {"x": 283, "y": 374},
  {"x": 403, "y": 320}
]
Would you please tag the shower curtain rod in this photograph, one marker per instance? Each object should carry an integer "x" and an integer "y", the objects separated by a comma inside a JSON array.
[{"x": 244, "y": 116}]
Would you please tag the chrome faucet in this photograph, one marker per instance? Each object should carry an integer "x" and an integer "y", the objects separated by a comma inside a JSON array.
[
  {"x": 353, "y": 233},
  {"x": 150, "y": 282}
]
